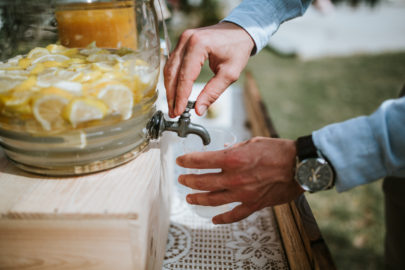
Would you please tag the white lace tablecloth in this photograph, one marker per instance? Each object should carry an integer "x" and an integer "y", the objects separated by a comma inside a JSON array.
[{"x": 195, "y": 242}]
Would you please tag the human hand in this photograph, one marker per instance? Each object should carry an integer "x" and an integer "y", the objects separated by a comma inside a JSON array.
[
  {"x": 258, "y": 173},
  {"x": 227, "y": 48}
]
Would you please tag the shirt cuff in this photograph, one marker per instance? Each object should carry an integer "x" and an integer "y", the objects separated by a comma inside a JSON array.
[
  {"x": 258, "y": 28},
  {"x": 262, "y": 18},
  {"x": 352, "y": 150}
]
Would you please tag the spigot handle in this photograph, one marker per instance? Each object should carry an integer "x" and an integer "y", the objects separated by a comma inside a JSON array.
[{"x": 191, "y": 105}]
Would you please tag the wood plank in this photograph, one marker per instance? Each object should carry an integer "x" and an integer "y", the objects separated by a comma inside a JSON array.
[
  {"x": 293, "y": 245},
  {"x": 116, "y": 219},
  {"x": 119, "y": 191},
  {"x": 312, "y": 237},
  {"x": 38, "y": 244},
  {"x": 301, "y": 237}
]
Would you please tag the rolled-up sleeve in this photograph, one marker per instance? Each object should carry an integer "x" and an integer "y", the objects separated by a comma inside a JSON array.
[
  {"x": 262, "y": 18},
  {"x": 366, "y": 148}
]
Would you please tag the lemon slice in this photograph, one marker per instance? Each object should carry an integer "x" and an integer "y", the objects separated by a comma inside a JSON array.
[
  {"x": 119, "y": 99},
  {"x": 50, "y": 58},
  {"x": 149, "y": 79},
  {"x": 37, "y": 52},
  {"x": 9, "y": 82},
  {"x": 13, "y": 73},
  {"x": 84, "y": 109},
  {"x": 60, "y": 78},
  {"x": 27, "y": 85},
  {"x": 48, "y": 110},
  {"x": 13, "y": 61},
  {"x": 103, "y": 67},
  {"x": 91, "y": 49},
  {"x": 71, "y": 87},
  {"x": 24, "y": 63},
  {"x": 91, "y": 76},
  {"x": 19, "y": 97},
  {"x": 17, "y": 102},
  {"x": 102, "y": 57},
  {"x": 22, "y": 107},
  {"x": 70, "y": 52},
  {"x": 54, "y": 48},
  {"x": 46, "y": 77}
]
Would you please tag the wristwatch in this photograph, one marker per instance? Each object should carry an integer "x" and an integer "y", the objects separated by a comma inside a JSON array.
[{"x": 313, "y": 172}]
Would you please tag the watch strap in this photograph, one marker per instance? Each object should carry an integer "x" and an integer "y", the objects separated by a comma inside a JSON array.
[{"x": 306, "y": 148}]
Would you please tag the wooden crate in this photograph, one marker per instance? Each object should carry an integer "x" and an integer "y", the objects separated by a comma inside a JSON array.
[
  {"x": 302, "y": 240},
  {"x": 116, "y": 219}
]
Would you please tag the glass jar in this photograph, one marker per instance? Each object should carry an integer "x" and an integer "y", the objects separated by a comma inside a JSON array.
[{"x": 77, "y": 82}]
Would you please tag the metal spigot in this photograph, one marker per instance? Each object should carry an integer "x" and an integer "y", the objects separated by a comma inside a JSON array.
[{"x": 157, "y": 124}]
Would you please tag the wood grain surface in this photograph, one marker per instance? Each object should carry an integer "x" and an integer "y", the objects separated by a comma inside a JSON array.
[
  {"x": 114, "y": 219},
  {"x": 116, "y": 192},
  {"x": 301, "y": 237}
]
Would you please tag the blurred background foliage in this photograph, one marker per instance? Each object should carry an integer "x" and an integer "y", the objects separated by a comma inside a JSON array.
[
  {"x": 303, "y": 96},
  {"x": 198, "y": 13}
]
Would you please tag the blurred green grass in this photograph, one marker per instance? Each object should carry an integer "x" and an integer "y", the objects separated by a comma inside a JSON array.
[{"x": 302, "y": 96}]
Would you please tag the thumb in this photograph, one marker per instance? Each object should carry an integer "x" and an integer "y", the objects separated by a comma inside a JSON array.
[{"x": 213, "y": 90}]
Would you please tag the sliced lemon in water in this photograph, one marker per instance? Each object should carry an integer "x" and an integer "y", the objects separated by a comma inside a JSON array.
[
  {"x": 103, "y": 67},
  {"x": 84, "y": 109},
  {"x": 9, "y": 82},
  {"x": 60, "y": 78},
  {"x": 16, "y": 103},
  {"x": 71, "y": 87},
  {"x": 37, "y": 52},
  {"x": 91, "y": 76},
  {"x": 50, "y": 58},
  {"x": 103, "y": 57},
  {"x": 70, "y": 52},
  {"x": 27, "y": 85},
  {"x": 24, "y": 108},
  {"x": 54, "y": 48},
  {"x": 56, "y": 85},
  {"x": 47, "y": 110},
  {"x": 24, "y": 63},
  {"x": 119, "y": 99},
  {"x": 16, "y": 100}
]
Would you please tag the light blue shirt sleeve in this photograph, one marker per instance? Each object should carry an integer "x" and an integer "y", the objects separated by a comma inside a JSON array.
[
  {"x": 362, "y": 149},
  {"x": 366, "y": 148},
  {"x": 262, "y": 18}
]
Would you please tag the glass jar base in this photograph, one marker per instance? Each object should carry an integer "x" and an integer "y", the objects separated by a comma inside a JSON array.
[{"x": 82, "y": 169}]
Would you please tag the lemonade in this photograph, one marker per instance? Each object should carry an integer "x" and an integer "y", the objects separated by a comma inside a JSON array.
[
  {"x": 111, "y": 24},
  {"x": 54, "y": 89}
]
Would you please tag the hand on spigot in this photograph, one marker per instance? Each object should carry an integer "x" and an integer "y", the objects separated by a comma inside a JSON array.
[{"x": 227, "y": 48}]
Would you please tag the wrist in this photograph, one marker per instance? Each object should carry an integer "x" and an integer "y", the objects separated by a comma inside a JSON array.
[
  {"x": 250, "y": 42},
  {"x": 313, "y": 171}
]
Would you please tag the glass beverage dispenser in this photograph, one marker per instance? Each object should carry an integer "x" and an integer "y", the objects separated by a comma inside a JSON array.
[{"x": 77, "y": 82}]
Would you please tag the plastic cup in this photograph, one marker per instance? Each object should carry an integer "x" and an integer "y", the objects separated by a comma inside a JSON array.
[{"x": 220, "y": 139}]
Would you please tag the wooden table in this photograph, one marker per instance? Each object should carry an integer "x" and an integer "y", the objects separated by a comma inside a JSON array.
[{"x": 302, "y": 240}]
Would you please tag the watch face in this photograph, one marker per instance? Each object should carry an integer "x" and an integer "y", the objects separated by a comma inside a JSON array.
[{"x": 314, "y": 174}]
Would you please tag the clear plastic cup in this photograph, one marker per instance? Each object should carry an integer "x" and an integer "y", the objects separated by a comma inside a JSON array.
[{"x": 220, "y": 139}]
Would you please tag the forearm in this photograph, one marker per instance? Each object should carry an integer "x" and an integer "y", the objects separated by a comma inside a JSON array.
[
  {"x": 366, "y": 148},
  {"x": 262, "y": 18}
]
